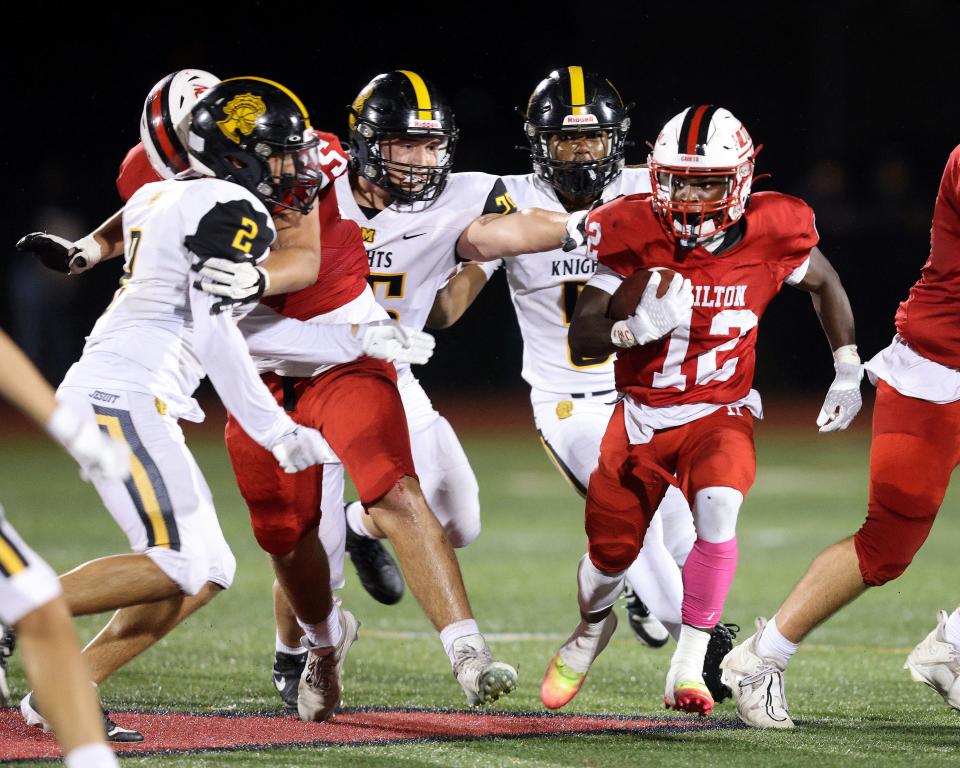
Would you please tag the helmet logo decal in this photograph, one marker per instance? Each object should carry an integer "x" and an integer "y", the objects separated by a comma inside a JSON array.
[
  {"x": 241, "y": 113},
  {"x": 578, "y": 95}
]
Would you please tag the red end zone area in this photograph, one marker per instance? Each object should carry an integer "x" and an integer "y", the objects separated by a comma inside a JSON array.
[{"x": 186, "y": 732}]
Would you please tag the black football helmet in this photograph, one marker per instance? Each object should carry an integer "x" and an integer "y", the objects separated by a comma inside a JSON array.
[
  {"x": 243, "y": 123},
  {"x": 401, "y": 104},
  {"x": 570, "y": 100}
]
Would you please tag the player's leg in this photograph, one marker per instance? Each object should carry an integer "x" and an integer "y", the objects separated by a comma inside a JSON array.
[
  {"x": 30, "y": 602},
  {"x": 571, "y": 431},
  {"x": 290, "y": 655},
  {"x": 285, "y": 515},
  {"x": 915, "y": 448},
  {"x": 716, "y": 465},
  {"x": 619, "y": 505},
  {"x": 364, "y": 422}
]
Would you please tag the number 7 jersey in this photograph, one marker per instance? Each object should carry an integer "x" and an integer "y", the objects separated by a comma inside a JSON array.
[{"x": 710, "y": 356}]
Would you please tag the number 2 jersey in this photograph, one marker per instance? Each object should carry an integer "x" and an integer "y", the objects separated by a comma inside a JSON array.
[
  {"x": 158, "y": 335},
  {"x": 544, "y": 288},
  {"x": 710, "y": 356}
]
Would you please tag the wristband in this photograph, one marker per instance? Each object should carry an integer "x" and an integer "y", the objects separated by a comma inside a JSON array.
[
  {"x": 622, "y": 336},
  {"x": 846, "y": 354}
]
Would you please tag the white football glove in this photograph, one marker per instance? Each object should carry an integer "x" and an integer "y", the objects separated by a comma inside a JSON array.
[
  {"x": 300, "y": 448},
  {"x": 236, "y": 282},
  {"x": 843, "y": 399},
  {"x": 576, "y": 230},
  {"x": 100, "y": 456},
  {"x": 395, "y": 343},
  {"x": 61, "y": 255},
  {"x": 655, "y": 316}
]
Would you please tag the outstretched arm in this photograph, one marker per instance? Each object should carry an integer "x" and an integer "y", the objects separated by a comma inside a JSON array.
[{"x": 531, "y": 230}]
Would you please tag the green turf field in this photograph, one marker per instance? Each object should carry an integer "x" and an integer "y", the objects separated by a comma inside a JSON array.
[{"x": 846, "y": 686}]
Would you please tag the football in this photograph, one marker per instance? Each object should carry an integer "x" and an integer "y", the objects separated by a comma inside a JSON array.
[{"x": 624, "y": 302}]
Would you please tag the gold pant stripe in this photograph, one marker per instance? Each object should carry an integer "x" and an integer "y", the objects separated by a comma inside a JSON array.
[
  {"x": 423, "y": 95},
  {"x": 578, "y": 95},
  {"x": 141, "y": 481},
  {"x": 11, "y": 561},
  {"x": 562, "y": 468}
]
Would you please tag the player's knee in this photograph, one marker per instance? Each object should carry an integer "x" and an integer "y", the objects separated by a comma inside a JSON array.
[
  {"x": 888, "y": 541},
  {"x": 222, "y": 566},
  {"x": 715, "y": 512},
  {"x": 613, "y": 556},
  {"x": 463, "y": 523},
  {"x": 462, "y": 532},
  {"x": 277, "y": 540},
  {"x": 186, "y": 567}
]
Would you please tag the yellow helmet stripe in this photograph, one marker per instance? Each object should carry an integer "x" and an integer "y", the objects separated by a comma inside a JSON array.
[
  {"x": 291, "y": 94},
  {"x": 423, "y": 95},
  {"x": 578, "y": 94}
]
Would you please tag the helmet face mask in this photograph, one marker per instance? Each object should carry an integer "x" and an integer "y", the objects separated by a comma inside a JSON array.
[
  {"x": 701, "y": 172},
  {"x": 257, "y": 133},
  {"x": 568, "y": 104},
  {"x": 397, "y": 122}
]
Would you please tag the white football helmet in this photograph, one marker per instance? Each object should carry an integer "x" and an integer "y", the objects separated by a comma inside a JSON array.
[
  {"x": 162, "y": 128},
  {"x": 701, "y": 141}
]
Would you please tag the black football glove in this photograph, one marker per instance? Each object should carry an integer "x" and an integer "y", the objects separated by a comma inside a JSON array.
[{"x": 54, "y": 252}]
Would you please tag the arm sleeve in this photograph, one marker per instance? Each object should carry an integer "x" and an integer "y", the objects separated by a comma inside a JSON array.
[
  {"x": 272, "y": 335},
  {"x": 222, "y": 352}
]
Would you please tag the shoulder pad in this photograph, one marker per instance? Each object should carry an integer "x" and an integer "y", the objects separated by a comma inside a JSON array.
[
  {"x": 232, "y": 229},
  {"x": 499, "y": 200}
]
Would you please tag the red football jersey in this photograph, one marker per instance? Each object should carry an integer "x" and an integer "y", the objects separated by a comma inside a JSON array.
[
  {"x": 135, "y": 171},
  {"x": 710, "y": 356},
  {"x": 929, "y": 320},
  {"x": 343, "y": 259}
]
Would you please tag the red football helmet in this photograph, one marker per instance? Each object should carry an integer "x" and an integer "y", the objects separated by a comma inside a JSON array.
[{"x": 703, "y": 141}]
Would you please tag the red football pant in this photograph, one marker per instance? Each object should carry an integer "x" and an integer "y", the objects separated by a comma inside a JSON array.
[
  {"x": 916, "y": 447},
  {"x": 358, "y": 409},
  {"x": 630, "y": 480}
]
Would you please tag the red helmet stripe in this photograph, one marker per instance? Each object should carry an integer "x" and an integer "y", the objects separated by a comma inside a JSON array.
[{"x": 165, "y": 139}]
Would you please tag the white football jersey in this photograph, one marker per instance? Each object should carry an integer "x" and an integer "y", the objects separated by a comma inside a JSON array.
[
  {"x": 413, "y": 252},
  {"x": 544, "y": 288},
  {"x": 158, "y": 336}
]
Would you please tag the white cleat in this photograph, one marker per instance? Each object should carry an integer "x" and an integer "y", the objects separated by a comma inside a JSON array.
[
  {"x": 483, "y": 679},
  {"x": 33, "y": 718},
  {"x": 757, "y": 685},
  {"x": 319, "y": 691},
  {"x": 936, "y": 662}
]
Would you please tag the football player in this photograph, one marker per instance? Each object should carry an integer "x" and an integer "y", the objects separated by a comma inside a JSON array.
[
  {"x": 152, "y": 346},
  {"x": 915, "y": 448},
  {"x": 576, "y": 124},
  {"x": 30, "y": 596},
  {"x": 684, "y": 365}
]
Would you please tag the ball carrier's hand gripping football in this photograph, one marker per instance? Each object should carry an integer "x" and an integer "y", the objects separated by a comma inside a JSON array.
[
  {"x": 61, "y": 255},
  {"x": 655, "y": 315}
]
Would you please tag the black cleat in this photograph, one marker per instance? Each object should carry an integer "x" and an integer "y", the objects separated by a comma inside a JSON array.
[
  {"x": 287, "y": 668},
  {"x": 646, "y": 627},
  {"x": 8, "y": 641},
  {"x": 119, "y": 734},
  {"x": 376, "y": 568},
  {"x": 721, "y": 643}
]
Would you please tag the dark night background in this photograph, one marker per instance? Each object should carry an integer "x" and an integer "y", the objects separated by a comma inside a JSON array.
[{"x": 855, "y": 103}]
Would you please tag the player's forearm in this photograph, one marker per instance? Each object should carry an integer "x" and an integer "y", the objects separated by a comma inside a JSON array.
[
  {"x": 291, "y": 269},
  {"x": 590, "y": 336},
  {"x": 222, "y": 352},
  {"x": 836, "y": 316},
  {"x": 22, "y": 384},
  {"x": 532, "y": 230},
  {"x": 269, "y": 334},
  {"x": 109, "y": 236},
  {"x": 458, "y": 294}
]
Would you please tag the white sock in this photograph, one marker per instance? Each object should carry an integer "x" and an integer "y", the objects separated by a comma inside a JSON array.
[
  {"x": 95, "y": 755},
  {"x": 597, "y": 590},
  {"x": 580, "y": 650},
  {"x": 951, "y": 631},
  {"x": 773, "y": 645},
  {"x": 690, "y": 652},
  {"x": 325, "y": 634},
  {"x": 293, "y": 651},
  {"x": 355, "y": 515},
  {"x": 459, "y": 629}
]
